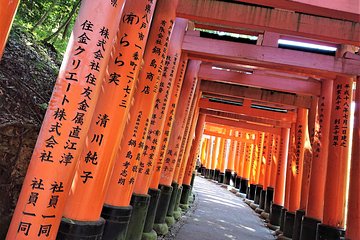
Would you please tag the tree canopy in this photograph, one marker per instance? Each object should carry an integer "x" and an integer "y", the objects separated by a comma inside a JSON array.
[{"x": 50, "y": 21}]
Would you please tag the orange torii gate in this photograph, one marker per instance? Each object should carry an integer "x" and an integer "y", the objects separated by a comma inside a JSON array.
[
  {"x": 62, "y": 136},
  {"x": 7, "y": 15}
]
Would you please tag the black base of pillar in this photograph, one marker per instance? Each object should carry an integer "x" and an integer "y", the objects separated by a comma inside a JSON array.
[
  {"x": 244, "y": 185},
  {"x": 275, "y": 214},
  {"x": 268, "y": 199},
  {"x": 72, "y": 230},
  {"x": 207, "y": 173},
  {"x": 117, "y": 221},
  {"x": 233, "y": 179},
  {"x": 221, "y": 177},
  {"x": 199, "y": 169},
  {"x": 227, "y": 177},
  {"x": 251, "y": 192},
  {"x": 203, "y": 171},
  {"x": 237, "y": 182},
  {"x": 282, "y": 219},
  {"x": 172, "y": 203},
  {"x": 257, "y": 193},
  {"x": 297, "y": 224},
  {"x": 186, "y": 192},
  {"x": 212, "y": 174},
  {"x": 150, "y": 216},
  {"x": 178, "y": 197},
  {"x": 262, "y": 199},
  {"x": 192, "y": 179},
  {"x": 140, "y": 204},
  {"x": 216, "y": 174},
  {"x": 163, "y": 205},
  {"x": 325, "y": 232},
  {"x": 308, "y": 228},
  {"x": 289, "y": 224}
]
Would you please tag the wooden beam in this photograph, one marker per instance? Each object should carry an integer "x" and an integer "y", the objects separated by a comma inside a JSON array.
[
  {"x": 267, "y": 19},
  {"x": 240, "y": 124},
  {"x": 246, "y": 118},
  {"x": 247, "y": 110},
  {"x": 339, "y": 9},
  {"x": 226, "y": 136},
  {"x": 255, "y": 94},
  {"x": 207, "y": 49},
  {"x": 259, "y": 80}
]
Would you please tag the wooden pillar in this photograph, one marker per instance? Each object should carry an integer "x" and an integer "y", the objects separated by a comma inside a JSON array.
[
  {"x": 315, "y": 201},
  {"x": 167, "y": 86},
  {"x": 187, "y": 135},
  {"x": 296, "y": 172},
  {"x": 353, "y": 215},
  {"x": 49, "y": 176},
  {"x": 269, "y": 160},
  {"x": 289, "y": 171},
  {"x": 169, "y": 120},
  {"x": 194, "y": 149},
  {"x": 279, "y": 193},
  {"x": 337, "y": 167},
  {"x": 7, "y": 15},
  {"x": 91, "y": 179},
  {"x": 187, "y": 94}
]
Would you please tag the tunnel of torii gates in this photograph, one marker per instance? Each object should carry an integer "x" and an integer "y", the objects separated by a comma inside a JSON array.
[{"x": 148, "y": 90}]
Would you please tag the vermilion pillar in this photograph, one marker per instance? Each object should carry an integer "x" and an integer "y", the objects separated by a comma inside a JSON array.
[
  {"x": 247, "y": 164},
  {"x": 254, "y": 168},
  {"x": 337, "y": 167},
  {"x": 7, "y": 15},
  {"x": 315, "y": 203},
  {"x": 66, "y": 123},
  {"x": 353, "y": 216},
  {"x": 231, "y": 155},
  {"x": 264, "y": 169},
  {"x": 129, "y": 156},
  {"x": 187, "y": 135},
  {"x": 169, "y": 120},
  {"x": 291, "y": 156},
  {"x": 279, "y": 194},
  {"x": 194, "y": 152},
  {"x": 188, "y": 175},
  {"x": 239, "y": 150},
  {"x": 91, "y": 180},
  {"x": 296, "y": 171},
  {"x": 221, "y": 159},
  {"x": 202, "y": 155},
  {"x": 182, "y": 112}
]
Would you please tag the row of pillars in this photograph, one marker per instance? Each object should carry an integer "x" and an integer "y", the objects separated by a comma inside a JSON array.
[
  {"x": 298, "y": 180},
  {"x": 116, "y": 153}
]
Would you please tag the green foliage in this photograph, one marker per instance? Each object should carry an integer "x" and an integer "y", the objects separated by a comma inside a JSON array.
[{"x": 43, "y": 18}]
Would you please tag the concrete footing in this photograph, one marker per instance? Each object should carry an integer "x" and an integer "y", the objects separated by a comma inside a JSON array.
[
  {"x": 269, "y": 195},
  {"x": 329, "y": 232},
  {"x": 289, "y": 224},
  {"x": 160, "y": 226},
  {"x": 297, "y": 224},
  {"x": 275, "y": 215},
  {"x": 140, "y": 204},
  {"x": 150, "y": 216},
  {"x": 308, "y": 228},
  {"x": 227, "y": 177},
  {"x": 72, "y": 230},
  {"x": 117, "y": 221}
]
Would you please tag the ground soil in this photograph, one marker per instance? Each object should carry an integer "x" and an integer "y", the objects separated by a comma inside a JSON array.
[{"x": 28, "y": 71}]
